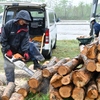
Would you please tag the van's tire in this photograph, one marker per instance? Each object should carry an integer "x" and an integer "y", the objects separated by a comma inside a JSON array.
[{"x": 54, "y": 47}]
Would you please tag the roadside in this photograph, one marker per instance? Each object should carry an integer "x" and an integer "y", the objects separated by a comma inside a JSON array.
[{"x": 71, "y": 29}]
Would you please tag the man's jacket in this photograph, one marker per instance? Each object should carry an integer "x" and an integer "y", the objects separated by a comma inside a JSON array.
[{"x": 15, "y": 37}]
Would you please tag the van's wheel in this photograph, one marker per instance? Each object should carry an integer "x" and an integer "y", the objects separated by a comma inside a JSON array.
[
  {"x": 49, "y": 55},
  {"x": 54, "y": 47}
]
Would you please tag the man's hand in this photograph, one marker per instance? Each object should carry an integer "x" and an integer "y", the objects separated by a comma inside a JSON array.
[
  {"x": 9, "y": 53},
  {"x": 26, "y": 56}
]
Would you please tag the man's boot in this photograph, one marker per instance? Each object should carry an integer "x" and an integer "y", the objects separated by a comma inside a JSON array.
[{"x": 37, "y": 65}]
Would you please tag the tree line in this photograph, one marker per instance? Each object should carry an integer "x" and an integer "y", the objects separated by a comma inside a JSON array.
[{"x": 66, "y": 10}]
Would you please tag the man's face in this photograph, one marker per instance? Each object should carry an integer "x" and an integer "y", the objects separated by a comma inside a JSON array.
[{"x": 22, "y": 22}]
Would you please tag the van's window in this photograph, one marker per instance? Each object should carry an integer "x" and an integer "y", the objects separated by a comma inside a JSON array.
[
  {"x": 51, "y": 18},
  {"x": 9, "y": 15},
  {"x": 0, "y": 19},
  {"x": 37, "y": 13}
]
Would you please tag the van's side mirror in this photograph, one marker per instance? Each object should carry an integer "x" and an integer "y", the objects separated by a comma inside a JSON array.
[{"x": 58, "y": 19}]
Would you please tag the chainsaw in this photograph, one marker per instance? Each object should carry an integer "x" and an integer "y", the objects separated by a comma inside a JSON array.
[{"x": 19, "y": 62}]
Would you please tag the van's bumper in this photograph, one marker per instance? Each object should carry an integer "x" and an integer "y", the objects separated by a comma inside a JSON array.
[{"x": 45, "y": 52}]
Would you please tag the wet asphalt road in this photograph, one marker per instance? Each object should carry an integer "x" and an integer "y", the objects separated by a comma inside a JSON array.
[{"x": 68, "y": 30}]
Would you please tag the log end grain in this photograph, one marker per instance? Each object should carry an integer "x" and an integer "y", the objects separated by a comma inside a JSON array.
[
  {"x": 4, "y": 98},
  {"x": 23, "y": 92},
  {"x": 33, "y": 83},
  {"x": 62, "y": 70},
  {"x": 46, "y": 73}
]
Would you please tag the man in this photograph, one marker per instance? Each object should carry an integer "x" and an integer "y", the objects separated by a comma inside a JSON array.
[
  {"x": 15, "y": 39},
  {"x": 96, "y": 26}
]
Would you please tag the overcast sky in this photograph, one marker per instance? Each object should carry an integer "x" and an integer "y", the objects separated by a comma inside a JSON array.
[{"x": 76, "y": 2}]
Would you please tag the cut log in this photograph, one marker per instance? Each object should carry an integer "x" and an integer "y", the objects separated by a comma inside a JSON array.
[
  {"x": 91, "y": 54},
  {"x": 83, "y": 49},
  {"x": 98, "y": 57},
  {"x": 87, "y": 98},
  {"x": 78, "y": 93},
  {"x": 24, "y": 89},
  {"x": 56, "y": 80},
  {"x": 54, "y": 94},
  {"x": 68, "y": 67},
  {"x": 2, "y": 88},
  {"x": 8, "y": 91},
  {"x": 65, "y": 91},
  {"x": 49, "y": 71},
  {"x": 43, "y": 87},
  {"x": 3, "y": 80},
  {"x": 89, "y": 63},
  {"x": 67, "y": 79},
  {"x": 36, "y": 79},
  {"x": 98, "y": 98},
  {"x": 16, "y": 96},
  {"x": 98, "y": 66},
  {"x": 92, "y": 91},
  {"x": 81, "y": 77},
  {"x": 98, "y": 83},
  {"x": 98, "y": 47}
]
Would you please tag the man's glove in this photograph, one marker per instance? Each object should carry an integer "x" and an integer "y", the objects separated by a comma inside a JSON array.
[
  {"x": 26, "y": 56},
  {"x": 9, "y": 53}
]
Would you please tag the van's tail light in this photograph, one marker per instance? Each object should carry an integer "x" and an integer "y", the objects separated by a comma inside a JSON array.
[{"x": 47, "y": 36}]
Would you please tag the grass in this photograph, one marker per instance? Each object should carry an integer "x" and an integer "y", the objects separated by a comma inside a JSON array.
[{"x": 65, "y": 48}]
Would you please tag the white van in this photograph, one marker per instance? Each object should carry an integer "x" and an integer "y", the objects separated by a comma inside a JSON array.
[{"x": 43, "y": 23}]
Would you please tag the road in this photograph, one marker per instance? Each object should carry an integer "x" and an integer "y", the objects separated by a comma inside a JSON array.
[{"x": 68, "y": 30}]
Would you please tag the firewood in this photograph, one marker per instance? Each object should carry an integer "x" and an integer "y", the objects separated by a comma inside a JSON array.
[
  {"x": 98, "y": 47},
  {"x": 54, "y": 93},
  {"x": 66, "y": 79},
  {"x": 98, "y": 82},
  {"x": 83, "y": 49},
  {"x": 81, "y": 77},
  {"x": 89, "y": 63},
  {"x": 87, "y": 98},
  {"x": 49, "y": 71},
  {"x": 91, "y": 54},
  {"x": 36, "y": 79},
  {"x": 65, "y": 91},
  {"x": 98, "y": 57},
  {"x": 92, "y": 91},
  {"x": 98, "y": 66},
  {"x": 68, "y": 67},
  {"x": 2, "y": 88},
  {"x": 16, "y": 96},
  {"x": 43, "y": 87},
  {"x": 78, "y": 93},
  {"x": 3, "y": 80},
  {"x": 56, "y": 80},
  {"x": 8, "y": 91},
  {"x": 24, "y": 89},
  {"x": 98, "y": 98}
]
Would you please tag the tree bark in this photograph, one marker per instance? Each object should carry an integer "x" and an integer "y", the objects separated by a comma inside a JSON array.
[
  {"x": 49, "y": 71},
  {"x": 16, "y": 96},
  {"x": 81, "y": 77},
  {"x": 3, "y": 80},
  {"x": 78, "y": 93},
  {"x": 65, "y": 91},
  {"x": 8, "y": 91},
  {"x": 68, "y": 67},
  {"x": 24, "y": 89},
  {"x": 98, "y": 83},
  {"x": 2, "y": 88},
  {"x": 36, "y": 79}
]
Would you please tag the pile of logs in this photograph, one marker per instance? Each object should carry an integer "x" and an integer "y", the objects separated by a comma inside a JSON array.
[{"x": 78, "y": 78}]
